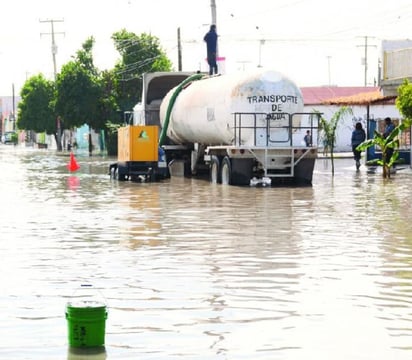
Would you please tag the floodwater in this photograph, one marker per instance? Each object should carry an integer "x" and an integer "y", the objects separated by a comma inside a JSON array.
[{"x": 191, "y": 270}]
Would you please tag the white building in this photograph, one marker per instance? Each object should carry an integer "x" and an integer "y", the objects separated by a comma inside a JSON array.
[{"x": 365, "y": 102}]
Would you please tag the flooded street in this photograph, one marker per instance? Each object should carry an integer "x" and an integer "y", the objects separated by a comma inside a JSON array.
[{"x": 191, "y": 270}]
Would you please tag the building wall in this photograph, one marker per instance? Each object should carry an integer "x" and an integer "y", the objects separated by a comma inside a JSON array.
[{"x": 396, "y": 65}]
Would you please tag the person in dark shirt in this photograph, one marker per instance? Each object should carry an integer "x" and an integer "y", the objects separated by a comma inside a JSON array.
[
  {"x": 211, "y": 45},
  {"x": 358, "y": 137},
  {"x": 308, "y": 138},
  {"x": 389, "y": 127}
]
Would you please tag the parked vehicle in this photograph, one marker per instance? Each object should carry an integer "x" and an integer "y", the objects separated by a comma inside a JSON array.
[
  {"x": 9, "y": 137},
  {"x": 242, "y": 129}
]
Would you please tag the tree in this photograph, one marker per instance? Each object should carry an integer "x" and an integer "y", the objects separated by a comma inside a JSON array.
[
  {"x": 109, "y": 111},
  {"x": 139, "y": 54},
  {"x": 329, "y": 129},
  {"x": 36, "y": 110},
  {"x": 79, "y": 91},
  {"x": 82, "y": 94},
  {"x": 404, "y": 99},
  {"x": 404, "y": 105}
]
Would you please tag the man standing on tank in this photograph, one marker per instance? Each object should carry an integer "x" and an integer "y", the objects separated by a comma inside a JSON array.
[{"x": 211, "y": 44}]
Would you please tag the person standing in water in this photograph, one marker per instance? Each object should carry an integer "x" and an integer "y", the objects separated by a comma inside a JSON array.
[
  {"x": 389, "y": 127},
  {"x": 358, "y": 137}
]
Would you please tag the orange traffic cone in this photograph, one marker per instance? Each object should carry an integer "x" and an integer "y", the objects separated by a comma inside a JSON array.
[{"x": 73, "y": 165}]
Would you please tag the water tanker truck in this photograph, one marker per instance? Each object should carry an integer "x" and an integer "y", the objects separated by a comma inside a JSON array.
[{"x": 236, "y": 129}]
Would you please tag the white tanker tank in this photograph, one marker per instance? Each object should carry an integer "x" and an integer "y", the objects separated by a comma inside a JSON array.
[{"x": 203, "y": 111}]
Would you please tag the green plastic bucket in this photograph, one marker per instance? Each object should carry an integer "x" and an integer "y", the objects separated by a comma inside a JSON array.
[{"x": 86, "y": 323}]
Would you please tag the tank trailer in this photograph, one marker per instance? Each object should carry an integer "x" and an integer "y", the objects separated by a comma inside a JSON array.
[{"x": 235, "y": 129}]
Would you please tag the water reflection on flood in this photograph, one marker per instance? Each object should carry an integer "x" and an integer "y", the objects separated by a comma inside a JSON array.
[{"x": 199, "y": 271}]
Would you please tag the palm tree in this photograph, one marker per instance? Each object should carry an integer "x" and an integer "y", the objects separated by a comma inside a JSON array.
[{"x": 329, "y": 129}]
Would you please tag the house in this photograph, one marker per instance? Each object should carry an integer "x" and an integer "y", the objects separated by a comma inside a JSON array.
[
  {"x": 396, "y": 65},
  {"x": 8, "y": 106},
  {"x": 368, "y": 106}
]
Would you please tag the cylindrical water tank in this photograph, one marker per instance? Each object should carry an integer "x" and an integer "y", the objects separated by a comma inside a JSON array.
[{"x": 204, "y": 111}]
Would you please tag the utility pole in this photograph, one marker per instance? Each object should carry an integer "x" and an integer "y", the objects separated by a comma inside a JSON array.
[
  {"x": 179, "y": 51},
  {"x": 213, "y": 8},
  {"x": 54, "y": 46},
  {"x": 365, "y": 59},
  {"x": 214, "y": 22},
  {"x": 329, "y": 57},
  {"x": 14, "y": 109},
  {"x": 58, "y": 133}
]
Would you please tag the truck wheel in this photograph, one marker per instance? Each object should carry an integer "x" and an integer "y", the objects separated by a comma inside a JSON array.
[
  {"x": 119, "y": 177},
  {"x": 241, "y": 171},
  {"x": 226, "y": 174},
  {"x": 116, "y": 174},
  {"x": 120, "y": 172},
  {"x": 153, "y": 176},
  {"x": 113, "y": 173},
  {"x": 214, "y": 170}
]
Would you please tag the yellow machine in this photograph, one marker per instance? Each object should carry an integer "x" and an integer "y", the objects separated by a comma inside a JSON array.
[
  {"x": 138, "y": 143},
  {"x": 139, "y": 155}
]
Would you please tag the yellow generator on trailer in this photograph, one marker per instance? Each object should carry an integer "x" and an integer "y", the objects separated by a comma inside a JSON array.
[{"x": 139, "y": 154}]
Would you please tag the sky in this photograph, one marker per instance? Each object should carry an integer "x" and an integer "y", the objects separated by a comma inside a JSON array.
[{"x": 313, "y": 42}]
